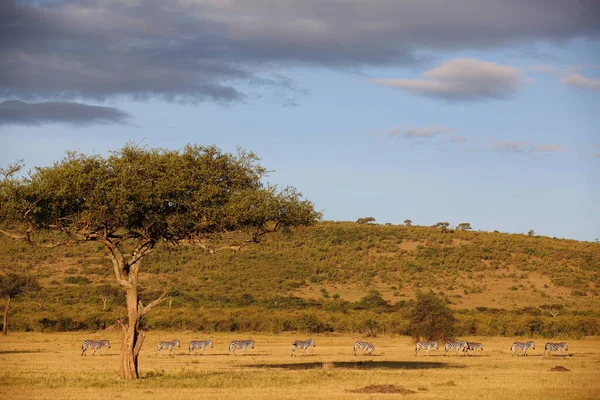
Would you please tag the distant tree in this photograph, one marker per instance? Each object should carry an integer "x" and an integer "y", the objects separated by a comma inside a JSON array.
[
  {"x": 11, "y": 286},
  {"x": 107, "y": 293},
  {"x": 531, "y": 233},
  {"x": 373, "y": 301},
  {"x": 171, "y": 295},
  {"x": 431, "y": 318},
  {"x": 552, "y": 309},
  {"x": 464, "y": 226},
  {"x": 407, "y": 222},
  {"x": 442, "y": 225},
  {"x": 365, "y": 220},
  {"x": 136, "y": 199}
]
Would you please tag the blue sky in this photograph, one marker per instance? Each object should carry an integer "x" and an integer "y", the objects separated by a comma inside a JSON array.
[{"x": 382, "y": 109}]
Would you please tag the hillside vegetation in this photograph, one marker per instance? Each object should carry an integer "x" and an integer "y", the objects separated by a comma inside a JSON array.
[{"x": 334, "y": 277}]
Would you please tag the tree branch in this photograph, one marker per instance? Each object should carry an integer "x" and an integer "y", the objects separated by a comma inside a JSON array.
[
  {"x": 117, "y": 261},
  {"x": 145, "y": 310},
  {"x": 123, "y": 326}
]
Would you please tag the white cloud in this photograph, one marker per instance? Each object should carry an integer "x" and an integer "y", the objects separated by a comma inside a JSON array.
[
  {"x": 580, "y": 81},
  {"x": 458, "y": 139},
  {"x": 523, "y": 147},
  {"x": 462, "y": 79},
  {"x": 419, "y": 133}
]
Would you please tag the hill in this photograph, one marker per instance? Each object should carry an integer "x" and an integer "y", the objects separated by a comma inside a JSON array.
[{"x": 336, "y": 276}]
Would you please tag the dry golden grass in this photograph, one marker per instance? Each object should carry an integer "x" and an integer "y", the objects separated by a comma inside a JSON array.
[{"x": 42, "y": 366}]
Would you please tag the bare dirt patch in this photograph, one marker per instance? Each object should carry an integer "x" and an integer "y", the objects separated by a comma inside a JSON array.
[
  {"x": 559, "y": 368},
  {"x": 383, "y": 389},
  {"x": 409, "y": 245}
]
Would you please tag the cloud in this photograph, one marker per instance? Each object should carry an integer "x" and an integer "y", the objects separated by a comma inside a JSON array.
[
  {"x": 14, "y": 112},
  {"x": 548, "y": 148},
  {"x": 419, "y": 133},
  {"x": 206, "y": 50},
  {"x": 461, "y": 79},
  {"x": 526, "y": 147},
  {"x": 458, "y": 139},
  {"x": 582, "y": 82}
]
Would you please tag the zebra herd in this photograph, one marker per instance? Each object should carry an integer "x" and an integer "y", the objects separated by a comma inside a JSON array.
[
  {"x": 515, "y": 348},
  {"x": 366, "y": 347}
]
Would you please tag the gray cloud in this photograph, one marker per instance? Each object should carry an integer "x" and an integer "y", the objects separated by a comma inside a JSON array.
[
  {"x": 14, "y": 112},
  {"x": 205, "y": 50},
  {"x": 461, "y": 79}
]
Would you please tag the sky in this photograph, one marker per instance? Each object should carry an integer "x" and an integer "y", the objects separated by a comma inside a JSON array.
[{"x": 477, "y": 111}]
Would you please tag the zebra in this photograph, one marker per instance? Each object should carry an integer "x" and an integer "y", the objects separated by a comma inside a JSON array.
[
  {"x": 200, "y": 344},
  {"x": 167, "y": 345},
  {"x": 518, "y": 346},
  {"x": 240, "y": 344},
  {"x": 94, "y": 344},
  {"x": 367, "y": 347},
  {"x": 473, "y": 347},
  {"x": 462, "y": 345},
  {"x": 302, "y": 344},
  {"x": 556, "y": 347},
  {"x": 426, "y": 346}
]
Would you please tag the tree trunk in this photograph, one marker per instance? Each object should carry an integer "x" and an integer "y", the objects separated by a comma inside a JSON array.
[
  {"x": 132, "y": 338},
  {"x": 5, "y": 324}
]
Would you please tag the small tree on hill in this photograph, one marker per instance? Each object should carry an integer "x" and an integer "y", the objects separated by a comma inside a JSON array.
[
  {"x": 442, "y": 225},
  {"x": 136, "y": 199},
  {"x": 552, "y": 309},
  {"x": 11, "y": 286},
  {"x": 365, "y": 220},
  {"x": 431, "y": 318},
  {"x": 107, "y": 293},
  {"x": 407, "y": 222},
  {"x": 464, "y": 226},
  {"x": 531, "y": 233}
]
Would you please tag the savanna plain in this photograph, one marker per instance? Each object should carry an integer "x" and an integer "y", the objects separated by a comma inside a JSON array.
[{"x": 49, "y": 365}]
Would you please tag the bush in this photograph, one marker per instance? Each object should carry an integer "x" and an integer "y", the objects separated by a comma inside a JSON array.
[{"x": 432, "y": 318}]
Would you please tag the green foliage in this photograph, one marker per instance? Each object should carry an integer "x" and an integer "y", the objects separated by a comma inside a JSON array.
[
  {"x": 13, "y": 285},
  {"x": 464, "y": 226},
  {"x": 432, "y": 318}
]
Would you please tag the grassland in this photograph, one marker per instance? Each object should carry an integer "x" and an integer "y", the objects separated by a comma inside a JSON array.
[{"x": 49, "y": 365}]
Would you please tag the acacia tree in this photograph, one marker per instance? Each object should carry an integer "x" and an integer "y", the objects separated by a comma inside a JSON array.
[
  {"x": 11, "y": 286},
  {"x": 365, "y": 220},
  {"x": 137, "y": 198},
  {"x": 464, "y": 226},
  {"x": 407, "y": 222}
]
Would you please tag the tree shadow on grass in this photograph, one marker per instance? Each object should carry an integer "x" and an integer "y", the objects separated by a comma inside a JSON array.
[
  {"x": 361, "y": 365},
  {"x": 19, "y": 351}
]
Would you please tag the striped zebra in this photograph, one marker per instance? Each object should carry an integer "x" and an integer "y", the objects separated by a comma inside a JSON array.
[
  {"x": 302, "y": 344},
  {"x": 94, "y": 344},
  {"x": 474, "y": 347},
  {"x": 520, "y": 346},
  {"x": 367, "y": 347},
  {"x": 425, "y": 346},
  {"x": 167, "y": 345},
  {"x": 240, "y": 344},
  {"x": 200, "y": 344},
  {"x": 555, "y": 347},
  {"x": 458, "y": 346}
]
